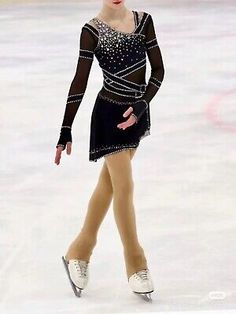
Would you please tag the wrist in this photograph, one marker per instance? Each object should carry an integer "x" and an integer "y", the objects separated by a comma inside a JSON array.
[
  {"x": 65, "y": 136},
  {"x": 139, "y": 108}
]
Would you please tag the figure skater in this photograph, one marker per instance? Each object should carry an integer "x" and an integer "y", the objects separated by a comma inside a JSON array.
[{"x": 120, "y": 39}]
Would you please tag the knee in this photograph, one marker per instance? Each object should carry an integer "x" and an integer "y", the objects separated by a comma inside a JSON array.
[
  {"x": 104, "y": 182},
  {"x": 123, "y": 187}
]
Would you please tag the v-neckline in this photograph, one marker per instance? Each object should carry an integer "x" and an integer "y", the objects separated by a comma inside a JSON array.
[{"x": 118, "y": 31}]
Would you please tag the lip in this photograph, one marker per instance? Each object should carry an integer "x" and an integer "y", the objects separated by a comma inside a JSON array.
[{"x": 117, "y": 2}]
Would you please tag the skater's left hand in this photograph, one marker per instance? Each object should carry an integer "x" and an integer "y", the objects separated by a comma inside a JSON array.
[{"x": 130, "y": 121}]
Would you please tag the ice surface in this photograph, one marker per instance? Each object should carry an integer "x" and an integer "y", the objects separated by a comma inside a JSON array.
[{"x": 184, "y": 173}]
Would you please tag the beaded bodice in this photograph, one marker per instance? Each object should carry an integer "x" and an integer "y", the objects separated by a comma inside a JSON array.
[
  {"x": 122, "y": 58},
  {"x": 119, "y": 55}
]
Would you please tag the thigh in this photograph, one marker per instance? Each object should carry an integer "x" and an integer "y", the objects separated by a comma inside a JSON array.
[
  {"x": 105, "y": 175},
  {"x": 119, "y": 167}
]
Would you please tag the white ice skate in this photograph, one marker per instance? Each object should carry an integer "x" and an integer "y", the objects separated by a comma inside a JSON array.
[
  {"x": 141, "y": 283},
  {"x": 78, "y": 274}
]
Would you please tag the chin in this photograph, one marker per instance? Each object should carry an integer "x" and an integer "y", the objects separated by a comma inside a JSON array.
[{"x": 116, "y": 4}]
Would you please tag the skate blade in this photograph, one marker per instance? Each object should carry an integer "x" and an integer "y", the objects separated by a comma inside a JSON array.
[
  {"x": 145, "y": 295},
  {"x": 74, "y": 287}
]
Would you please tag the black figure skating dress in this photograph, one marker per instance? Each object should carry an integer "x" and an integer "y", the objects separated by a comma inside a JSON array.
[{"x": 122, "y": 58}]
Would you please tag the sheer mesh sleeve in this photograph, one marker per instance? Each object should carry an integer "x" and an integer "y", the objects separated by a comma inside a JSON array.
[
  {"x": 157, "y": 70},
  {"x": 78, "y": 85}
]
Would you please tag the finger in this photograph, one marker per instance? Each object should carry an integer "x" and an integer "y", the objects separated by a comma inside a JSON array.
[
  {"x": 58, "y": 155},
  {"x": 128, "y": 112},
  {"x": 127, "y": 123},
  {"x": 57, "y": 159},
  {"x": 68, "y": 148}
]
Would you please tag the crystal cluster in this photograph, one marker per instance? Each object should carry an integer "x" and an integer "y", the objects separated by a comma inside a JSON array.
[{"x": 117, "y": 49}]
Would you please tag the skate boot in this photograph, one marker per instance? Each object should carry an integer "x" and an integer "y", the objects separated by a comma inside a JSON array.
[
  {"x": 78, "y": 274},
  {"x": 141, "y": 283}
]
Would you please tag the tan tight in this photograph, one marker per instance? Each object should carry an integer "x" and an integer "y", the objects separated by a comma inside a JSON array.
[{"x": 115, "y": 181}]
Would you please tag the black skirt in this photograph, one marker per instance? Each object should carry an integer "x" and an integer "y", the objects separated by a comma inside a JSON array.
[{"x": 105, "y": 137}]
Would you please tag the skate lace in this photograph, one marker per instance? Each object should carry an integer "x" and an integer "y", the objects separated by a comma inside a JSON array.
[
  {"x": 143, "y": 274},
  {"x": 82, "y": 267}
]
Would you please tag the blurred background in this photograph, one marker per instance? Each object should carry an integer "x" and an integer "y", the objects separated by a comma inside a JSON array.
[{"x": 184, "y": 173}]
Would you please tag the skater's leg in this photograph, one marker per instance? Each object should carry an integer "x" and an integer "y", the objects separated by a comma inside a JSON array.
[
  {"x": 82, "y": 246},
  {"x": 119, "y": 167}
]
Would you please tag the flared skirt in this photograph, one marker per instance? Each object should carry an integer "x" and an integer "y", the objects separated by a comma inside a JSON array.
[{"x": 105, "y": 137}]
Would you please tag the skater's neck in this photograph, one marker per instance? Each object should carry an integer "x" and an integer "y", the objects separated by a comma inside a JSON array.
[{"x": 108, "y": 14}]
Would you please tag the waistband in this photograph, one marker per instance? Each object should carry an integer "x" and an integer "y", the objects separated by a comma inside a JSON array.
[
  {"x": 126, "y": 92},
  {"x": 118, "y": 102}
]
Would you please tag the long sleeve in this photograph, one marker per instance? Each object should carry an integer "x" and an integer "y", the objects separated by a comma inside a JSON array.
[
  {"x": 157, "y": 70},
  {"x": 78, "y": 86}
]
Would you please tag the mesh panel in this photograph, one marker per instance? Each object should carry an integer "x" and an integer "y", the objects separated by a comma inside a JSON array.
[{"x": 127, "y": 77}]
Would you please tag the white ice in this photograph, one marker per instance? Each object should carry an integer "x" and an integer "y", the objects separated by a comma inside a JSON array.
[{"x": 184, "y": 172}]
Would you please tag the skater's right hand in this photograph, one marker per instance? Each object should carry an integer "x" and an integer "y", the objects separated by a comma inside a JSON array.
[{"x": 64, "y": 142}]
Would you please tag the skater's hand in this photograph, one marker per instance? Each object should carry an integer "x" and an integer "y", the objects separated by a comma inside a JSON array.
[
  {"x": 64, "y": 142},
  {"x": 131, "y": 120},
  {"x": 140, "y": 106},
  {"x": 59, "y": 151}
]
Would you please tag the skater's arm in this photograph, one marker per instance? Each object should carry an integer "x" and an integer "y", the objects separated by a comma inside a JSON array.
[
  {"x": 157, "y": 69},
  {"x": 156, "y": 62},
  {"x": 78, "y": 85}
]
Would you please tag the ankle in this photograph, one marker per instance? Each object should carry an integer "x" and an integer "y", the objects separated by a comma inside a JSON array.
[
  {"x": 81, "y": 248},
  {"x": 135, "y": 261}
]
